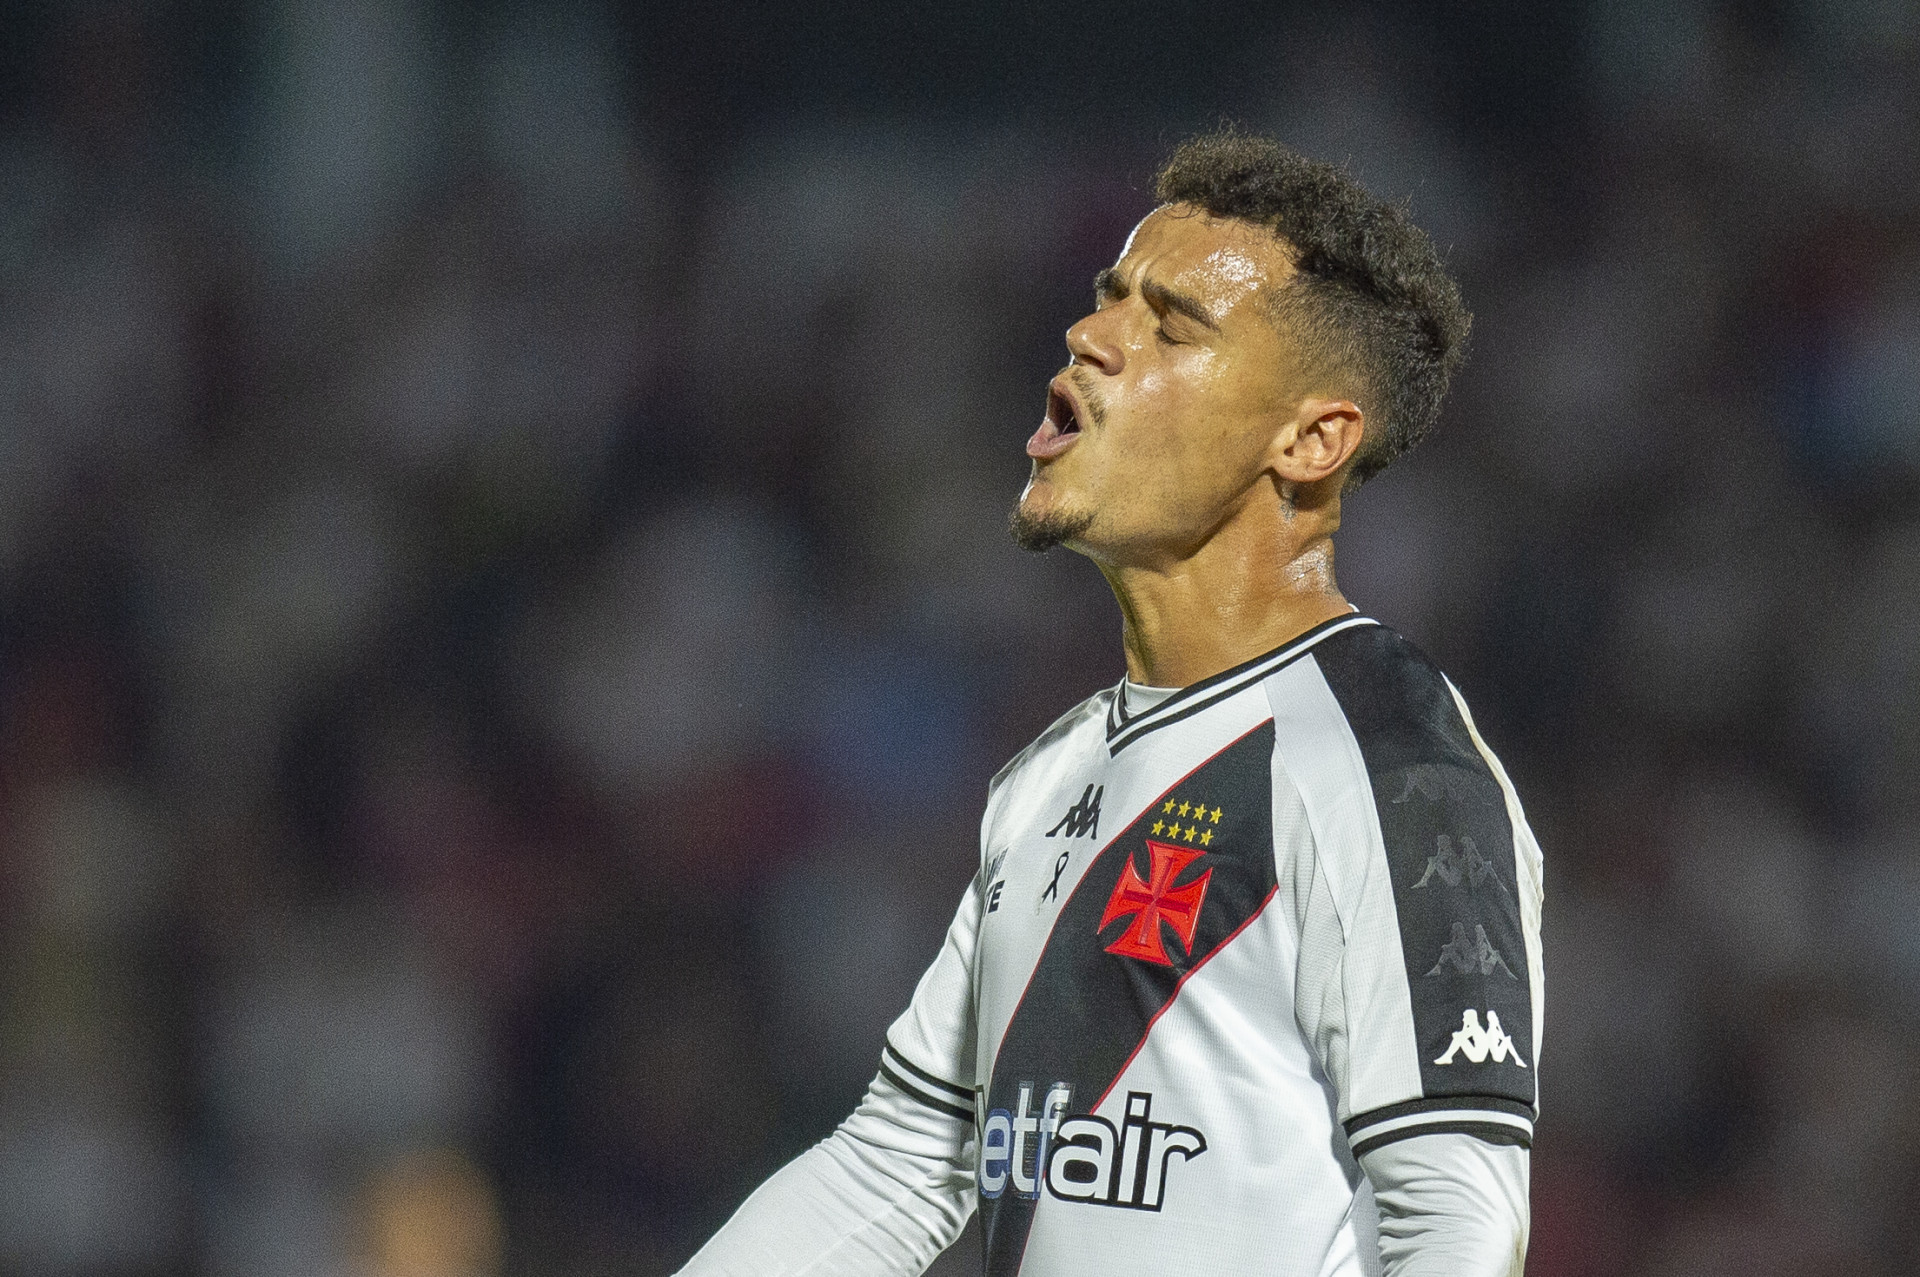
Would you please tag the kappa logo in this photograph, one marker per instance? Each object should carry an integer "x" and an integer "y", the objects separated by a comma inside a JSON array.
[
  {"x": 1466, "y": 863},
  {"x": 1477, "y": 956},
  {"x": 1435, "y": 783},
  {"x": 1083, "y": 817},
  {"x": 1478, "y": 1044},
  {"x": 1082, "y": 1158},
  {"x": 1154, "y": 900}
]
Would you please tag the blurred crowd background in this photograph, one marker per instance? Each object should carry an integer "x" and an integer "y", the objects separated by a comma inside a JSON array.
[{"x": 506, "y": 619}]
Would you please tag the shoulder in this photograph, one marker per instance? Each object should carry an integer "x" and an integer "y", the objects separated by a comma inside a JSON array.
[
  {"x": 1401, "y": 708},
  {"x": 1438, "y": 886},
  {"x": 1090, "y": 714}
]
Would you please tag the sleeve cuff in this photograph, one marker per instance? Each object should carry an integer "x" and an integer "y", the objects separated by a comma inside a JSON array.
[
  {"x": 916, "y": 1083},
  {"x": 1491, "y": 1118}
]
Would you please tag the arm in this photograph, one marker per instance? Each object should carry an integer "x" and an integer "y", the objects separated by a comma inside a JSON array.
[
  {"x": 1450, "y": 1204},
  {"x": 1418, "y": 898},
  {"x": 882, "y": 1196},
  {"x": 893, "y": 1186}
]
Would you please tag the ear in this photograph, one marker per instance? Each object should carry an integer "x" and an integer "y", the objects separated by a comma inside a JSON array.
[{"x": 1319, "y": 441}]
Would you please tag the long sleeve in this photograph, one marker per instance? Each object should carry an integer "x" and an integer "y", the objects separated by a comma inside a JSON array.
[
  {"x": 893, "y": 1186},
  {"x": 881, "y": 1197},
  {"x": 1451, "y": 1205}
]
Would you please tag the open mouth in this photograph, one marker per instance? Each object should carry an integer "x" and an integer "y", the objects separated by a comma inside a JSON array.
[
  {"x": 1058, "y": 430},
  {"x": 1061, "y": 412}
]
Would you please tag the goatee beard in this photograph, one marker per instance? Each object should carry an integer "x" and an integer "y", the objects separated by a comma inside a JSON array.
[{"x": 1039, "y": 533}]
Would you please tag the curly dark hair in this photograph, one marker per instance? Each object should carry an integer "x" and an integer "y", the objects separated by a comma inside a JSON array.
[{"x": 1371, "y": 301}]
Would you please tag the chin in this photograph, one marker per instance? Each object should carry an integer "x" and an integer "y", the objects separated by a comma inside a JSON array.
[{"x": 1041, "y": 520}]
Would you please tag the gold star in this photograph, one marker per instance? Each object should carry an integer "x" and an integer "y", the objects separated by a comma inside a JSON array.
[
  {"x": 1206, "y": 837},
  {"x": 1215, "y": 818},
  {"x": 1192, "y": 833},
  {"x": 1167, "y": 806},
  {"x": 1158, "y": 825},
  {"x": 1185, "y": 808}
]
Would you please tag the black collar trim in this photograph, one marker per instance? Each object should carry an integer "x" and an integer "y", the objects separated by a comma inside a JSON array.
[{"x": 1123, "y": 729}]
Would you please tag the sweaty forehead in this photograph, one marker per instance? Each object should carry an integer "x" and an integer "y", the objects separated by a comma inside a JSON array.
[{"x": 1221, "y": 262}]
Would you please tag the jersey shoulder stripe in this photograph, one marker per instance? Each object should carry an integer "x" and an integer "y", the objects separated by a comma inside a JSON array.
[
  {"x": 1190, "y": 700},
  {"x": 1444, "y": 823}
]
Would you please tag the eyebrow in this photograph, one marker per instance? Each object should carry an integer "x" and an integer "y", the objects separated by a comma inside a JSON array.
[{"x": 1108, "y": 286}]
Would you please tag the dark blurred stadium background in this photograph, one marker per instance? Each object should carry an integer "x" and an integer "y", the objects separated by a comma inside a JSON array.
[{"x": 505, "y": 621}]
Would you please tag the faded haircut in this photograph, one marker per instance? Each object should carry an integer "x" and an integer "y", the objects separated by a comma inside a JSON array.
[{"x": 1371, "y": 304}]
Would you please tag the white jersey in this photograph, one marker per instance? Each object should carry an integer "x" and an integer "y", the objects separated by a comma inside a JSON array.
[{"x": 1218, "y": 950}]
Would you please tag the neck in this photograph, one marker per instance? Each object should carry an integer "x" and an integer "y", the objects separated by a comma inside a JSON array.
[{"x": 1247, "y": 590}]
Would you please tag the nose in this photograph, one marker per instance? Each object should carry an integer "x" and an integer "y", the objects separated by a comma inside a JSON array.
[{"x": 1093, "y": 341}]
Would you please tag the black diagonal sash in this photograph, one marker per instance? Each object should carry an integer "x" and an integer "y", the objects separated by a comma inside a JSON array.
[{"x": 1086, "y": 1011}]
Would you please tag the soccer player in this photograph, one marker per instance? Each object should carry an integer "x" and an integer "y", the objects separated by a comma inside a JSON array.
[{"x": 1249, "y": 980}]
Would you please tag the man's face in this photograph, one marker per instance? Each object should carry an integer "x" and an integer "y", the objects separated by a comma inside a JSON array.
[{"x": 1161, "y": 426}]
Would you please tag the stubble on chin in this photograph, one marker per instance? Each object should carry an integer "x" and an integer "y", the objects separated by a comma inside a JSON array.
[{"x": 1040, "y": 532}]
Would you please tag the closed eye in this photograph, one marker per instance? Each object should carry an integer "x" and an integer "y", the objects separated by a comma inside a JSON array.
[
  {"x": 1110, "y": 287},
  {"x": 1171, "y": 301}
]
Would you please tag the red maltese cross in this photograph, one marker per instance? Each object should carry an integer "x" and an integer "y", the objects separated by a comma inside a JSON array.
[{"x": 1156, "y": 900}]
